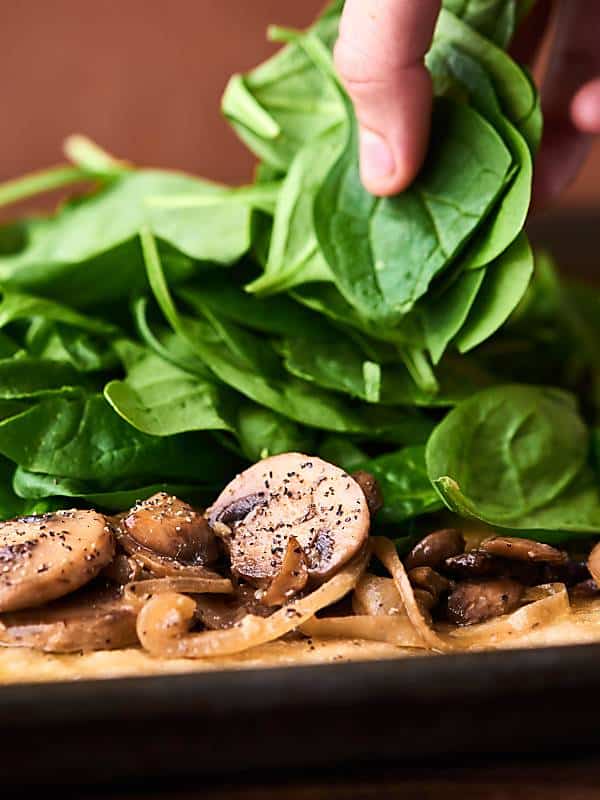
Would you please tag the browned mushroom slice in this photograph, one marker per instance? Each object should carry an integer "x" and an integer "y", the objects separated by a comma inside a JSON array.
[
  {"x": 371, "y": 489},
  {"x": 435, "y": 548},
  {"x": 512, "y": 547},
  {"x": 159, "y": 566},
  {"x": 291, "y": 578},
  {"x": 474, "y": 564},
  {"x": 48, "y": 556},
  {"x": 477, "y": 601},
  {"x": 172, "y": 528},
  {"x": 122, "y": 570},
  {"x": 593, "y": 563},
  {"x": 430, "y": 580},
  {"x": 291, "y": 495},
  {"x": 585, "y": 589},
  {"x": 87, "y": 620},
  {"x": 220, "y": 612}
]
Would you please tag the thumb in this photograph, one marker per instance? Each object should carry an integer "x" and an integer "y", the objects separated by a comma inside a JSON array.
[{"x": 379, "y": 56}]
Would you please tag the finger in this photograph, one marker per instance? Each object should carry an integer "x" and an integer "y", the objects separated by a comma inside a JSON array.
[
  {"x": 585, "y": 108},
  {"x": 574, "y": 61},
  {"x": 379, "y": 56}
]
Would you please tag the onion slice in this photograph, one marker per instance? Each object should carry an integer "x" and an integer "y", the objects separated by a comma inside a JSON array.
[
  {"x": 140, "y": 591},
  {"x": 397, "y": 629},
  {"x": 164, "y": 622},
  {"x": 162, "y": 566},
  {"x": 544, "y": 604},
  {"x": 386, "y": 552},
  {"x": 375, "y": 597}
]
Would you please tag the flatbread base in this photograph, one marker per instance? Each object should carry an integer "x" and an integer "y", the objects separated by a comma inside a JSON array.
[{"x": 22, "y": 665}]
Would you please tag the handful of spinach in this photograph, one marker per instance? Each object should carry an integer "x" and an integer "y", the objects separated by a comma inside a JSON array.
[{"x": 163, "y": 331}]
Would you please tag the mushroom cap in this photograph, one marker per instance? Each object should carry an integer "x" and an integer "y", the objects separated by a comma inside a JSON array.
[
  {"x": 170, "y": 527},
  {"x": 512, "y": 547},
  {"x": 93, "y": 619},
  {"x": 435, "y": 548},
  {"x": 477, "y": 601},
  {"x": 287, "y": 495},
  {"x": 48, "y": 556}
]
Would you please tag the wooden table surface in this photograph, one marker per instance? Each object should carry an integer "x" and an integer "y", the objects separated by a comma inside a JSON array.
[{"x": 552, "y": 780}]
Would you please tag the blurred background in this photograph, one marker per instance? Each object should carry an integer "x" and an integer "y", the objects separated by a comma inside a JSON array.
[{"x": 144, "y": 79}]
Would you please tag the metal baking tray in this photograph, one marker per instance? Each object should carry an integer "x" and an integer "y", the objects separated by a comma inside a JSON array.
[{"x": 222, "y": 724}]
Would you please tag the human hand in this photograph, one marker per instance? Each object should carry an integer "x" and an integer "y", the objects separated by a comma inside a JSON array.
[{"x": 379, "y": 56}]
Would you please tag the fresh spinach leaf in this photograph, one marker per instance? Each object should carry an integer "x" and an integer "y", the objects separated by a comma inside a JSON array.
[
  {"x": 25, "y": 377},
  {"x": 82, "y": 437},
  {"x": 12, "y": 505},
  {"x": 291, "y": 397},
  {"x": 401, "y": 475},
  {"x": 162, "y": 400},
  {"x": 504, "y": 285},
  {"x": 294, "y": 254},
  {"x": 445, "y": 314},
  {"x": 264, "y": 433},
  {"x": 451, "y": 66},
  {"x": 18, "y": 306},
  {"x": 284, "y": 104},
  {"x": 514, "y": 89},
  {"x": 34, "y": 486},
  {"x": 516, "y": 456},
  {"x": 495, "y": 19},
  {"x": 100, "y": 231},
  {"x": 384, "y": 253}
]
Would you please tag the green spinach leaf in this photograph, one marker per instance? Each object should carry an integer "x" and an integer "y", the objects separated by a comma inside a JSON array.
[
  {"x": 384, "y": 253},
  {"x": 516, "y": 456}
]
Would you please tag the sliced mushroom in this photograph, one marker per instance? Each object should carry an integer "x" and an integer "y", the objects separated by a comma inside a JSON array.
[
  {"x": 593, "y": 563},
  {"x": 479, "y": 564},
  {"x": 586, "y": 589},
  {"x": 371, "y": 489},
  {"x": 172, "y": 528},
  {"x": 474, "y": 564},
  {"x": 159, "y": 566},
  {"x": 512, "y": 547},
  {"x": 425, "y": 599},
  {"x": 122, "y": 570},
  {"x": 291, "y": 578},
  {"x": 435, "y": 548},
  {"x": 91, "y": 619},
  {"x": 291, "y": 495},
  {"x": 48, "y": 556},
  {"x": 220, "y": 612},
  {"x": 476, "y": 601},
  {"x": 429, "y": 580},
  {"x": 570, "y": 572}
]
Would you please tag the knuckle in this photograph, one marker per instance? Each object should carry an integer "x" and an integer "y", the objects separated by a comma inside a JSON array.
[{"x": 359, "y": 71}]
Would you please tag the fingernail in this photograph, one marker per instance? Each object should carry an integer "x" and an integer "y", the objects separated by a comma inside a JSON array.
[{"x": 376, "y": 159}]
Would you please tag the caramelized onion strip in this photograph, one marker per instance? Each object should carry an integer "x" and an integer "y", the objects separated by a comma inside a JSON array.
[
  {"x": 164, "y": 621},
  {"x": 162, "y": 566},
  {"x": 544, "y": 604},
  {"x": 397, "y": 630},
  {"x": 140, "y": 591},
  {"x": 374, "y": 597},
  {"x": 386, "y": 552}
]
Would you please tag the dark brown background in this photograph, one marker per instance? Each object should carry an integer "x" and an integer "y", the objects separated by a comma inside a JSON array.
[{"x": 144, "y": 78}]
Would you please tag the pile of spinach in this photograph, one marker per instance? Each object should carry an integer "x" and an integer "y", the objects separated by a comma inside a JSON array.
[{"x": 159, "y": 330}]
